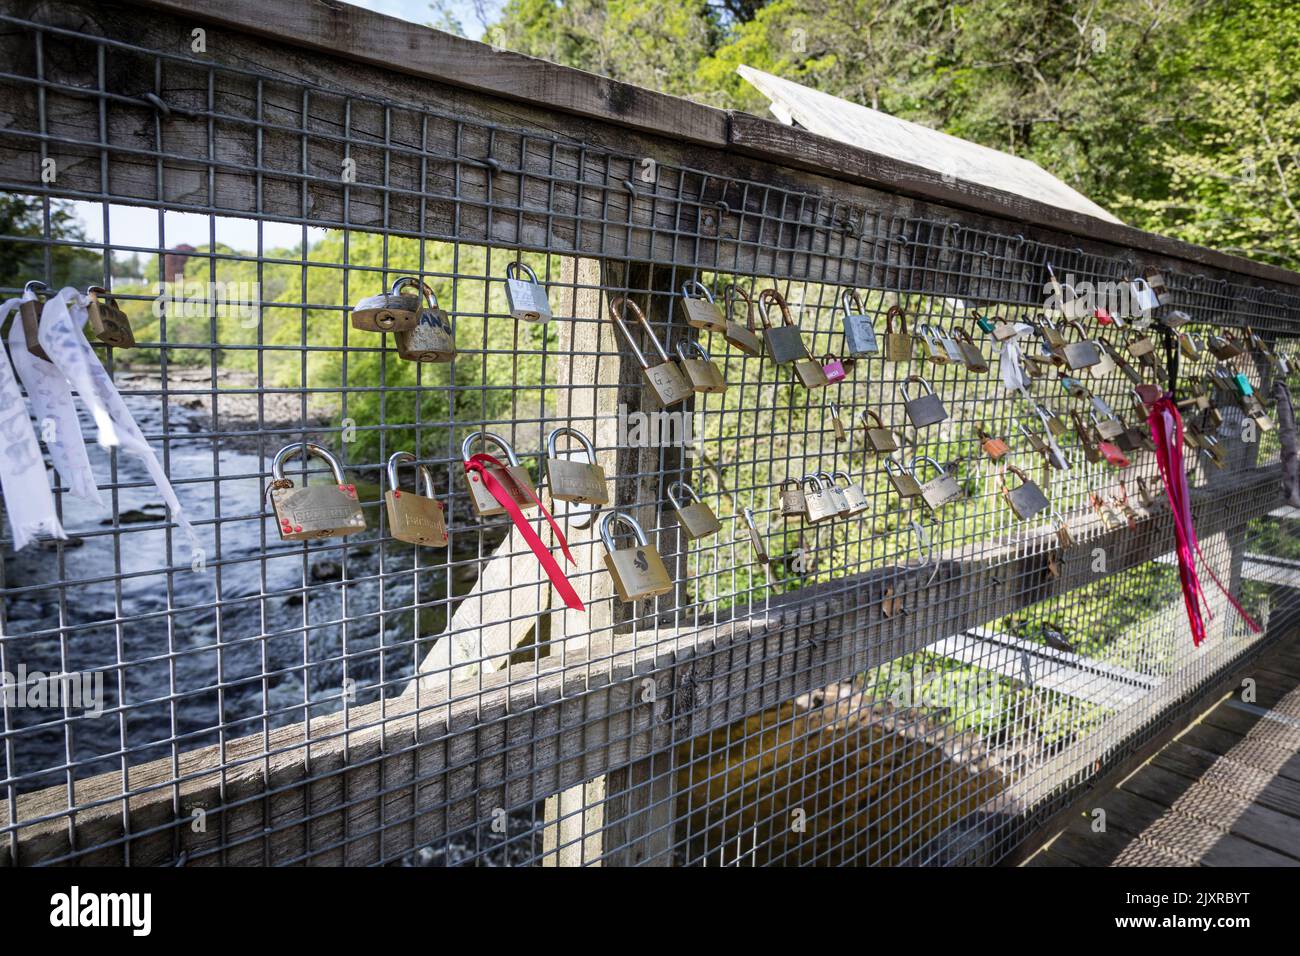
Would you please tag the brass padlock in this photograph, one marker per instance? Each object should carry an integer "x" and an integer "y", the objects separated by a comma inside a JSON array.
[
  {"x": 1224, "y": 346},
  {"x": 970, "y": 352},
  {"x": 1191, "y": 344},
  {"x": 416, "y": 519},
  {"x": 391, "y": 311},
  {"x": 880, "y": 438},
  {"x": 107, "y": 321},
  {"x": 811, "y": 373},
  {"x": 666, "y": 379},
  {"x": 924, "y": 410},
  {"x": 702, "y": 312},
  {"x": 1107, "y": 426},
  {"x": 513, "y": 477},
  {"x": 903, "y": 482},
  {"x": 743, "y": 337},
  {"x": 784, "y": 342},
  {"x": 1048, "y": 417},
  {"x": 1005, "y": 331},
  {"x": 1088, "y": 440},
  {"x": 1027, "y": 499},
  {"x": 838, "y": 497},
  {"x": 935, "y": 350},
  {"x": 1063, "y": 536},
  {"x": 1117, "y": 357},
  {"x": 1051, "y": 334},
  {"x": 1082, "y": 354},
  {"x": 30, "y": 313},
  {"x": 638, "y": 572},
  {"x": 837, "y": 422},
  {"x": 755, "y": 538},
  {"x": 859, "y": 332},
  {"x": 898, "y": 344},
  {"x": 696, "y": 518},
  {"x": 1036, "y": 441},
  {"x": 821, "y": 502},
  {"x": 1139, "y": 344},
  {"x": 432, "y": 339},
  {"x": 525, "y": 295},
  {"x": 938, "y": 491},
  {"x": 792, "y": 502},
  {"x": 313, "y": 511},
  {"x": 853, "y": 494},
  {"x": 701, "y": 371},
  {"x": 569, "y": 479}
]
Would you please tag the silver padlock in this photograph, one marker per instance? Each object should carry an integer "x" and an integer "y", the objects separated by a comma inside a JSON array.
[
  {"x": 938, "y": 491},
  {"x": 924, "y": 410},
  {"x": 820, "y": 502},
  {"x": 856, "y": 497},
  {"x": 392, "y": 311},
  {"x": 580, "y": 482},
  {"x": 859, "y": 333},
  {"x": 838, "y": 496},
  {"x": 526, "y": 296}
]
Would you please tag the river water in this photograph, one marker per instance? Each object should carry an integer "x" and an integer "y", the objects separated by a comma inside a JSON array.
[{"x": 242, "y": 645}]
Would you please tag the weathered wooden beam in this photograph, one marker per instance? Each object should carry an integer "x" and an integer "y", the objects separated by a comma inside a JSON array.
[{"x": 447, "y": 767}]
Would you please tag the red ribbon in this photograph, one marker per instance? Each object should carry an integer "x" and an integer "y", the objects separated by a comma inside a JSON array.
[
  {"x": 481, "y": 465},
  {"x": 1167, "y": 432}
]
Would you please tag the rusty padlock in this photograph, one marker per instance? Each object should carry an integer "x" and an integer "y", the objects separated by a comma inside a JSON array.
[
  {"x": 742, "y": 336},
  {"x": 109, "y": 323},
  {"x": 666, "y": 379},
  {"x": 433, "y": 338},
  {"x": 29, "y": 312},
  {"x": 784, "y": 341}
]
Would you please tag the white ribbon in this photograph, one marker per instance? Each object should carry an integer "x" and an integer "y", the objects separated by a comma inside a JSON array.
[
  {"x": 1013, "y": 376},
  {"x": 52, "y": 403},
  {"x": 22, "y": 469},
  {"x": 65, "y": 343}
]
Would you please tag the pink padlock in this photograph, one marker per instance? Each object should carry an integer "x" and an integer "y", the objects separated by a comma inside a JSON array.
[{"x": 833, "y": 368}]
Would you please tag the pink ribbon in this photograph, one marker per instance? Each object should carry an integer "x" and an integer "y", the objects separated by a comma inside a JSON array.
[
  {"x": 480, "y": 465},
  {"x": 1167, "y": 432}
]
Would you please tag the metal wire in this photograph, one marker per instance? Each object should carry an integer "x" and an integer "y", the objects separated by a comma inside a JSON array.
[{"x": 938, "y": 734}]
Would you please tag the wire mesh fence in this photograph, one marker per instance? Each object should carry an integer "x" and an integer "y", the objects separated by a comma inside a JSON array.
[{"x": 899, "y": 684}]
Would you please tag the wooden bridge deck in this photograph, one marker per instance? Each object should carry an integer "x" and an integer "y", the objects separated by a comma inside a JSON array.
[{"x": 1224, "y": 792}]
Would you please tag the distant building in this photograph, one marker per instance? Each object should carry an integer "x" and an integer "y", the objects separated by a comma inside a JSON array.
[{"x": 174, "y": 262}]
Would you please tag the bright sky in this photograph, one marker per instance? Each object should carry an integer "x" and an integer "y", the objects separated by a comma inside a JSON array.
[{"x": 137, "y": 226}]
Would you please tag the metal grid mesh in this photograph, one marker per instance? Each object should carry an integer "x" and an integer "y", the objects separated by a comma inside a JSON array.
[{"x": 822, "y": 747}]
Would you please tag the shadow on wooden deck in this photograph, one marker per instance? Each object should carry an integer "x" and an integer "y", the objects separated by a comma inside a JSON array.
[{"x": 1224, "y": 792}]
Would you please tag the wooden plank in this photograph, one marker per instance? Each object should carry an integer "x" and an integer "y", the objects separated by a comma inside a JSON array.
[
  {"x": 1268, "y": 789},
  {"x": 1277, "y": 834},
  {"x": 1037, "y": 665}
]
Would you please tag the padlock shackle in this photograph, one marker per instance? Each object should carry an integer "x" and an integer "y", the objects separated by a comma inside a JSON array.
[
  {"x": 816, "y": 482},
  {"x": 851, "y": 295},
  {"x": 552, "y": 442},
  {"x": 607, "y": 529},
  {"x": 733, "y": 289},
  {"x": 308, "y": 449},
  {"x": 830, "y": 357},
  {"x": 902, "y": 386},
  {"x": 37, "y": 288},
  {"x": 683, "y": 345},
  {"x": 673, "y": 489},
  {"x": 848, "y": 482},
  {"x": 897, "y": 464},
  {"x": 765, "y": 299},
  {"x": 514, "y": 267},
  {"x": 790, "y": 481},
  {"x": 705, "y": 294},
  {"x": 95, "y": 291},
  {"x": 616, "y": 307},
  {"x": 487, "y": 438},
  {"x": 921, "y": 459},
  {"x": 870, "y": 413},
  {"x": 403, "y": 281},
  {"x": 896, "y": 310},
  {"x": 1015, "y": 470},
  {"x": 961, "y": 335},
  {"x": 402, "y": 457}
]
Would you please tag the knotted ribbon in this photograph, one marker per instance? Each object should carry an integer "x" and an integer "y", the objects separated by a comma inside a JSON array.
[
  {"x": 482, "y": 465},
  {"x": 1167, "y": 432}
]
